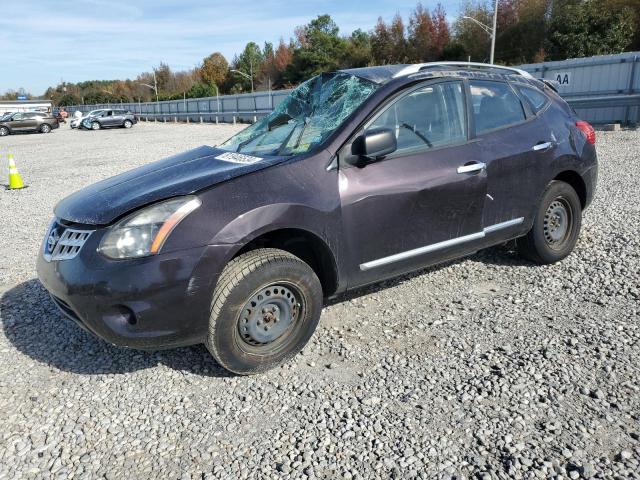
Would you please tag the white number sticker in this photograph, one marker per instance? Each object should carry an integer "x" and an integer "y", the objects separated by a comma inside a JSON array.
[{"x": 237, "y": 158}]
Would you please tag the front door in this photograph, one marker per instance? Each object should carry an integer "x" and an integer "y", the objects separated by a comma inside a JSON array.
[
  {"x": 422, "y": 203},
  {"x": 20, "y": 122}
]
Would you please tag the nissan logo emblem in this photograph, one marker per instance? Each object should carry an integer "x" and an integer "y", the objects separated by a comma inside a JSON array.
[{"x": 52, "y": 240}]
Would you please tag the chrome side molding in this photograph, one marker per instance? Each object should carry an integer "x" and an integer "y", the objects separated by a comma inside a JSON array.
[{"x": 440, "y": 245}]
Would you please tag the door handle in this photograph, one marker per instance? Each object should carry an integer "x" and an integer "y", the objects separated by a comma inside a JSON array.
[
  {"x": 472, "y": 167},
  {"x": 542, "y": 146}
]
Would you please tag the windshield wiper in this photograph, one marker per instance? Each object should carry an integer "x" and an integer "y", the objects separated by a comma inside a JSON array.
[
  {"x": 281, "y": 119},
  {"x": 286, "y": 140}
]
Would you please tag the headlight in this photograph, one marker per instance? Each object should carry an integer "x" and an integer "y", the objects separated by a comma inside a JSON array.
[{"x": 145, "y": 231}]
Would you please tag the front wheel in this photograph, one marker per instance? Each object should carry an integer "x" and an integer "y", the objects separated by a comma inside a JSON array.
[
  {"x": 4, "y": 131},
  {"x": 95, "y": 126},
  {"x": 556, "y": 227},
  {"x": 45, "y": 128},
  {"x": 127, "y": 124},
  {"x": 265, "y": 307}
]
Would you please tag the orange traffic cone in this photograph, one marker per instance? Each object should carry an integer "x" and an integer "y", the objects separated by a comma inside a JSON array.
[{"x": 15, "y": 181}]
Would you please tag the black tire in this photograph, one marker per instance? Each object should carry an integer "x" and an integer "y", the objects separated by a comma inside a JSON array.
[
  {"x": 4, "y": 131},
  {"x": 556, "y": 226},
  {"x": 45, "y": 128},
  {"x": 127, "y": 124},
  {"x": 273, "y": 277},
  {"x": 95, "y": 126}
]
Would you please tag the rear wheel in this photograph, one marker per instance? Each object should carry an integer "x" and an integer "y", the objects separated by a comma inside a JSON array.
[
  {"x": 95, "y": 126},
  {"x": 127, "y": 124},
  {"x": 265, "y": 308},
  {"x": 45, "y": 128},
  {"x": 4, "y": 131},
  {"x": 556, "y": 227}
]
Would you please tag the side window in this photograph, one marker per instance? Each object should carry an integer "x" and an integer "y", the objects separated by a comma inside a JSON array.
[
  {"x": 495, "y": 105},
  {"x": 428, "y": 117},
  {"x": 17, "y": 116},
  {"x": 536, "y": 98}
]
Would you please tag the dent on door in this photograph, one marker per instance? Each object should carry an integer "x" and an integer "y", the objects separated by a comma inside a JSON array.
[{"x": 399, "y": 214}]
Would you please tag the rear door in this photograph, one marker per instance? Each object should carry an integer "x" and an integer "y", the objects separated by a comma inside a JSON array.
[
  {"x": 512, "y": 144},
  {"x": 106, "y": 119},
  {"x": 416, "y": 206},
  {"x": 118, "y": 117}
]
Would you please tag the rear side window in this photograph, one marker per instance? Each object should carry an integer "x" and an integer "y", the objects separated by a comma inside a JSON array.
[
  {"x": 429, "y": 117},
  {"x": 536, "y": 98},
  {"x": 495, "y": 105}
]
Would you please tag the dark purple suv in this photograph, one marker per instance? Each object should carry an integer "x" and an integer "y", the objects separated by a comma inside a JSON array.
[{"x": 358, "y": 176}]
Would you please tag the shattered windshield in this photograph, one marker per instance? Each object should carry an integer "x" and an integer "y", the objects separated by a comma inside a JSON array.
[{"x": 305, "y": 118}]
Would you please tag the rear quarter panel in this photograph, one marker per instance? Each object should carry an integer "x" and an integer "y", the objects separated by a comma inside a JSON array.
[{"x": 573, "y": 152}]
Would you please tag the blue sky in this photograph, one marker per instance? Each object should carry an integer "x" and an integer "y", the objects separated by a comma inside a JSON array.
[{"x": 45, "y": 41}]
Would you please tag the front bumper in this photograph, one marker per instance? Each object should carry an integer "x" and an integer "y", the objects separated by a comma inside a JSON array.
[{"x": 160, "y": 301}]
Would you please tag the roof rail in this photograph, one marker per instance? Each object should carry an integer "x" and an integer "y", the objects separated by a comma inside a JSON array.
[
  {"x": 552, "y": 84},
  {"x": 411, "y": 69}
]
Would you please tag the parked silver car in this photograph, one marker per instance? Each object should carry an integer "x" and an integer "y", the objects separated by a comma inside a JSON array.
[{"x": 108, "y": 118}]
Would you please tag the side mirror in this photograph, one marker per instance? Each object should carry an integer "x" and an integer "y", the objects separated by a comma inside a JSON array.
[{"x": 373, "y": 144}]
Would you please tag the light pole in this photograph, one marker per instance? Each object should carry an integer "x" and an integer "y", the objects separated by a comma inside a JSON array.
[
  {"x": 250, "y": 77},
  {"x": 489, "y": 30},
  {"x": 217, "y": 96},
  {"x": 153, "y": 87}
]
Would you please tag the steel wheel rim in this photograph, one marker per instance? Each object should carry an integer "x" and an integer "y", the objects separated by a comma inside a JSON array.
[
  {"x": 127, "y": 124},
  {"x": 558, "y": 223},
  {"x": 269, "y": 319},
  {"x": 95, "y": 126}
]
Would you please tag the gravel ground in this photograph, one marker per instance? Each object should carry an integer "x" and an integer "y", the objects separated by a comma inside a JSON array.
[{"x": 488, "y": 367}]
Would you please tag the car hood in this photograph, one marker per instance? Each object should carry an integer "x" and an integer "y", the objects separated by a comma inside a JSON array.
[{"x": 182, "y": 174}]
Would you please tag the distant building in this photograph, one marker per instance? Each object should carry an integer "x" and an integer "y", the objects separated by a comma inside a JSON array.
[{"x": 25, "y": 106}]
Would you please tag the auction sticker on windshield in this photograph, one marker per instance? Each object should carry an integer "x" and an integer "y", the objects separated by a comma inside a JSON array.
[{"x": 237, "y": 158}]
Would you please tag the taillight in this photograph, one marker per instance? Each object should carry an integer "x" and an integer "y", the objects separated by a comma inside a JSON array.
[{"x": 587, "y": 130}]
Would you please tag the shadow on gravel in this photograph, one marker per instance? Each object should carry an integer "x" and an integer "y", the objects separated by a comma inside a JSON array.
[{"x": 33, "y": 324}]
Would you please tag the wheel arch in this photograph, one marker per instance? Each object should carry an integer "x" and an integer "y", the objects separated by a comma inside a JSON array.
[
  {"x": 305, "y": 245},
  {"x": 576, "y": 181}
]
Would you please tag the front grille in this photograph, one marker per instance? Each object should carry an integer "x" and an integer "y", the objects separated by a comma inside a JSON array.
[{"x": 63, "y": 243}]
